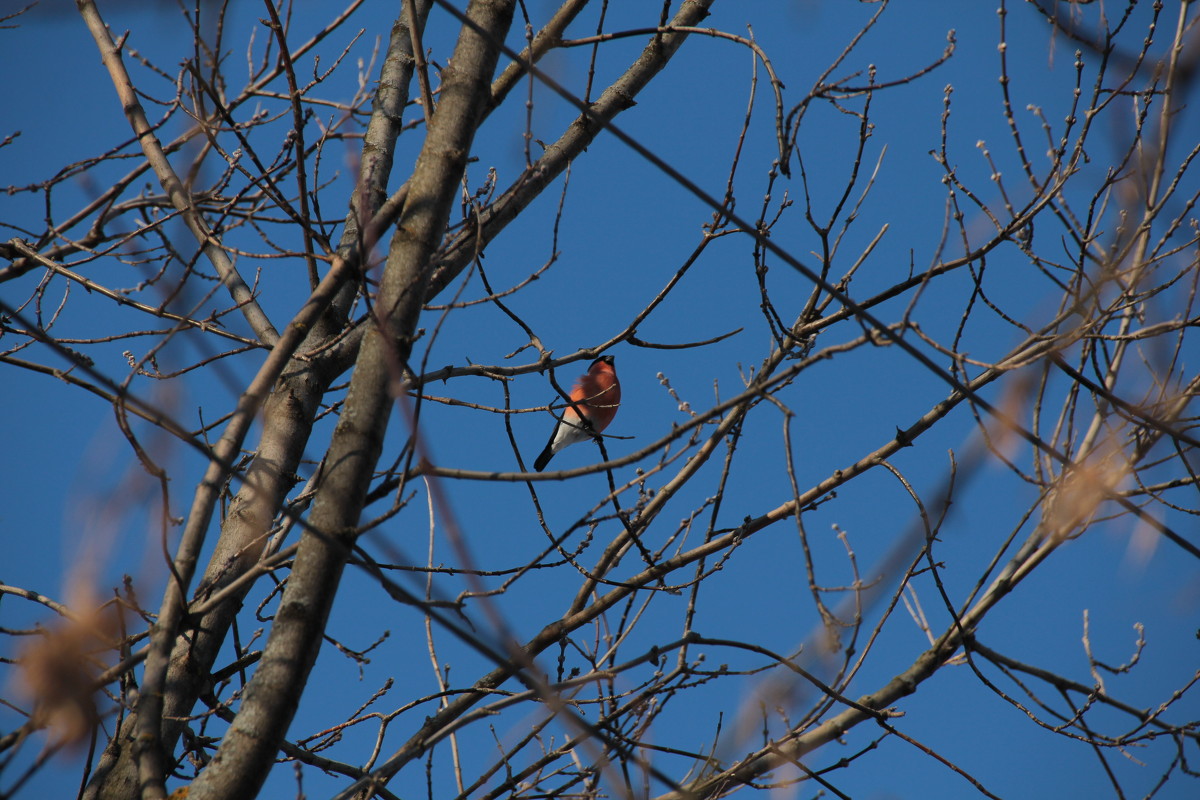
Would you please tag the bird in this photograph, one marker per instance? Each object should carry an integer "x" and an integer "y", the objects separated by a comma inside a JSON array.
[{"x": 594, "y": 401}]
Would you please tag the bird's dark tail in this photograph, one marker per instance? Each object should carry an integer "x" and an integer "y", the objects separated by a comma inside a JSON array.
[{"x": 543, "y": 459}]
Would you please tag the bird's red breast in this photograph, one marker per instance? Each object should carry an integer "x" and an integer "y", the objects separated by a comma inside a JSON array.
[
  {"x": 594, "y": 398},
  {"x": 596, "y": 395}
]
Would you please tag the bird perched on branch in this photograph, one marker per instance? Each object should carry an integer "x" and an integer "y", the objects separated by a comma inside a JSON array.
[{"x": 594, "y": 401}]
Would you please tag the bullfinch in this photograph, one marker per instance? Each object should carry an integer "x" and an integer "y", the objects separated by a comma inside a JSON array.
[{"x": 594, "y": 400}]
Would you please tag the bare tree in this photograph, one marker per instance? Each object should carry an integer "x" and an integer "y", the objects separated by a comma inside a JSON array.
[{"x": 666, "y": 617}]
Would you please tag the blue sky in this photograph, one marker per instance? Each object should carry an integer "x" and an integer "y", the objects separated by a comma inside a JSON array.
[{"x": 74, "y": 499}]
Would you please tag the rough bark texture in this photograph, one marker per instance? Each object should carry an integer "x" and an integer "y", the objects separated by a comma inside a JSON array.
[
  {"x": 287, "y": 419},
  {"x": 252, "y": 742}
]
